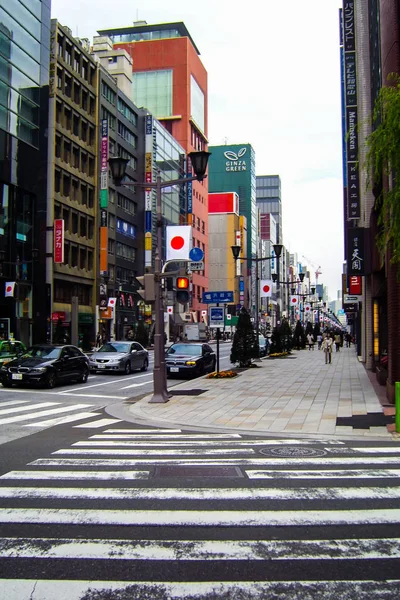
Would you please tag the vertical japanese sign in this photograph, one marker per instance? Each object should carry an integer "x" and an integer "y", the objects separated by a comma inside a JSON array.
[
  {"x": 148, "y": 240},
  {"x": 58, "y": 240},
  {"x": 189, "y": 192},
  {"x": 356, "y": 259},
  {"x": 104, "y": 165},
  {"x": 350, "y": 80}
]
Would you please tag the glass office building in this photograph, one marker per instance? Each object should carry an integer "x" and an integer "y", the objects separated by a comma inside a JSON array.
[{"x": 24, "y": 79}]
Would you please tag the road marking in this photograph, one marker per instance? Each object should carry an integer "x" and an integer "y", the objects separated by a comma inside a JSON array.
[
  {"x": 247, "y": 462},
  {"x": 10, "y": 411},
  {"x": 143, "y": 430},
  {"x": 216, "y": 436},
  {"x": 63, "y": 420},
  {"x": 135, "y": 385},
  {"x": 14, "y": 402},
  {"x": 95, "y": 475},
  {"x": 149, "y": 549},
  {"x": 106, "y": 383},
  {"x": 43, "y": 413},
  {"x": 163, "y": 443},
  {"x": 97, "y": 396},
  {"x": 99, "y": 423},
  {"x": 176, "y": 451},
  {"x": 209, "y": 494},
  {"x": 348, "y": 474},
  {"x": 193, "y": 518}
]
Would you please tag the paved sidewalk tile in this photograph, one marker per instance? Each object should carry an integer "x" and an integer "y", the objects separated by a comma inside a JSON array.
[{"x": 299, "y": 395}]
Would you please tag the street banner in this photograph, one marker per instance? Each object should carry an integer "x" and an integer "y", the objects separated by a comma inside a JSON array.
[{"x": 265, "y": 288}]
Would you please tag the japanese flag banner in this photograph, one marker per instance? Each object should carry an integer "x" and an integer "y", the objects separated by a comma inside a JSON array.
[
  {"x": 112, "y": 302},
  {"x": 179, "y": 242},
  {"x": 265, "y": 288},
  {"x": 9, "y": 288},
  {"x": 294, "y": 300},
  {"x": 307, "y": 308}
]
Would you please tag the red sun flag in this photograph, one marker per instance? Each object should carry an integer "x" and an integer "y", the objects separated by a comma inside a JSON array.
[
  {"x": 265, "y": 288},
  {"x": 9, "y": 288},
  {"x": 294, "y": 300},
  {"x": 179, "y": 242}
]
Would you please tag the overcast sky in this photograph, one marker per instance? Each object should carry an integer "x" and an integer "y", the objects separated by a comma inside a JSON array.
[{"x": 274, "y": 82}]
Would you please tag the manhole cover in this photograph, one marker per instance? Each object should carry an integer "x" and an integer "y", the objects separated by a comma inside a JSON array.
[{"x": 295, "y": 451}]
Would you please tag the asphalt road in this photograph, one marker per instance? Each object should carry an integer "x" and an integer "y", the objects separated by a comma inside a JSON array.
[{"x": 100, "y": 509}]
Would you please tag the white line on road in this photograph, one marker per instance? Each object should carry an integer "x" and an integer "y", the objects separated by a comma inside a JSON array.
[
  {"x": 99, "y": 423},
  {"x": 43, "y": 413},
  {"x": 92, "y": 475},
  {"x": 209, "y": 494},
  {"x": 63, "y": 420},
  {"x": 205, "y": 518},
  {"x": 165, "y": 451},
  {"x": 216, "y": 436},
  {"x": 133, "y": 430},
  {"x": 112, "y": 382},
  {"x": 10, "y": 411},
  {"x": 349, "y": 474},
  {"x": 149, "y": 549},
  {"x": 134, "y": 443}
]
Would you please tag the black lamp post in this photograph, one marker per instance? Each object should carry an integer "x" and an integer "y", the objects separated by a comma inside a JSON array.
[
  {"x": 118, "y": 165},
  {"x": 257, "y": 259}
]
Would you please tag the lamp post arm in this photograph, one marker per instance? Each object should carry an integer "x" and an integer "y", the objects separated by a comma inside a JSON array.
[
  {"x": 256, "y": 259},
  {"x": 154, "y": 185}
]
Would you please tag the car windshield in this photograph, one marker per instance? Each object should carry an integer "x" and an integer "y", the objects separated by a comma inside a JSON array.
[
  {"x": 192, "y": 350},
  {"x": 115, "y": 347},
  {"x": 43, "y": 352}
]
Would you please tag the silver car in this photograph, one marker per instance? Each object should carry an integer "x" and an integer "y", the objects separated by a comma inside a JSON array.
[{"x": 123, "y": 357}]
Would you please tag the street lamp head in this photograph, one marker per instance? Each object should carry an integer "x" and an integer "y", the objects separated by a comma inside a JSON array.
[
  {"x": 235, "y": 251},
  {"x": 301, "y": 277},
  {"x": 278, "y": 250},
  {"x": 320, "y": 298},
  {"x": 313, "y": 290},
  {"x": 274, "y": 277},
  {"x": 118, "y": 168},
  {"x": 293, "y": 291},
  {"x": 199, "y": 162}
]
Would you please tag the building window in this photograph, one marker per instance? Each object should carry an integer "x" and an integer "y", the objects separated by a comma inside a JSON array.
[
  {"x": 153, "y": 89},
  {"x": 196, "y": 104},
  {"x": 108, "y": 93}
]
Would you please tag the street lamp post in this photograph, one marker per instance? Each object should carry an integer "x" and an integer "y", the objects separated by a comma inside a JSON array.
[
  {"x": 257, "y": 259},
  {"x": 118, "y": 165}
]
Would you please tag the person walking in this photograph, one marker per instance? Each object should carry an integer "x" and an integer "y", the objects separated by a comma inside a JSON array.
[
  {"x": 327, "y": 344},
  {"x": 319, "y": 340},
  {"x": 338, "y": 342},
  {"x": 310, "y": 341}
]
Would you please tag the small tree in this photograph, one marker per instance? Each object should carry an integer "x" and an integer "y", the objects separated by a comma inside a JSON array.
[
  {"x": 244, "y": 341},
  {"x": 299, "y": 338},
  {"x": 316, "y": 331},
  {"x": 281, "y": 339}
]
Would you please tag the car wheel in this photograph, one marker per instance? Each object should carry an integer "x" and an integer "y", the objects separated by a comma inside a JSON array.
[
  {"x": 127, "y": 369},
  {"x": 6, "y": 384},
  {"x": 51, "y": 379},
  {"x": 84, "y": 377},
  {"x": 145, "y": 365}
]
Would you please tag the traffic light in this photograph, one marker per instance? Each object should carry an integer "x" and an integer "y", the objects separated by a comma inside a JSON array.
[
  {"x": 148, "y": 291},
  {"x": 182, "y": 290}
]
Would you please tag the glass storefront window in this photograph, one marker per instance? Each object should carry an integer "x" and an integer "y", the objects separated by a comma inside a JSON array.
[{"x": 153, "y": 90}]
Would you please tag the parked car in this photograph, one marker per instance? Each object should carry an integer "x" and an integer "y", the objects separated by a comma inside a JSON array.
[
  {"x": 9, "y": 349},
  {"x": 192, "y": 359},
  {"x": 123, "y": 357},
  {"x": 46, "y": 364},
  {"x": 263, "y": 345}
]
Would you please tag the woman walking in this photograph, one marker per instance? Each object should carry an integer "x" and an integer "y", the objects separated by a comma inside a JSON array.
[{"x": 327, "y": 344}]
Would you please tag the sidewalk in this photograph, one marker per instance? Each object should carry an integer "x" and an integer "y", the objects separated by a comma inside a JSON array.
[{"x": 298, "y": 395}]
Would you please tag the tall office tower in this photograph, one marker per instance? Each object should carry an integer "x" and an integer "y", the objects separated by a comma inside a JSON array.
[
  {"x": 72, "y": 185},
  {"x": 170, "y": 81},
  {"x": 24, "y": 79}
]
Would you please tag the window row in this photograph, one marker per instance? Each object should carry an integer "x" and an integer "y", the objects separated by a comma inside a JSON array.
[
  {"x": 69, "y": 86},
  {"x": 198, "y": 224},
  {"x": 74, "y": 156},
  {"x": 76, "y": 60},
  {"x": 75, "y": 124},
  {"x": 70, "y": 187},
  {"x": 65, "y": 290},
  {"x": 125, "y": 251},
  {"x": 74, "y": 222},
  {"x": 126, "y": 204},
  {"x": 127, "y": 135}
]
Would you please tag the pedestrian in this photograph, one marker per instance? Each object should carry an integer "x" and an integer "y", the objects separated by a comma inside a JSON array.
[
  {"x": 310, "y": 341},
  {"x": 327, "y": 344},
  {"x": 319, "y": 340},
  {"x": 98, "y": 340},
  {"x": 348, "y": 340},
  {"x": 131, "y": 334},
  {"x": 338, "y": 342}
]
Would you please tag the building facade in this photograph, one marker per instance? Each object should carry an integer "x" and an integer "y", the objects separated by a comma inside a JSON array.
[
  {"x": 170, "y": 80},
  {"x": 24, "y": 81}
]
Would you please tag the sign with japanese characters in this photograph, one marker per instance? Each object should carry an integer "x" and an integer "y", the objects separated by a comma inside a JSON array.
[
  {"x": 59, "y": 240},
  {"x": 356, "y": 251}
]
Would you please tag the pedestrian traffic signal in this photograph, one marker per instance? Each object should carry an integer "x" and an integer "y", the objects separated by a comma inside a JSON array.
[
  {"x": 148, "y": 285},
  {"x": 182, "y": 290}
]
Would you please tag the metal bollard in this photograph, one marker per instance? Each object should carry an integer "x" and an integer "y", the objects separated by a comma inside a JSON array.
[{"x": 397, "y": 403}]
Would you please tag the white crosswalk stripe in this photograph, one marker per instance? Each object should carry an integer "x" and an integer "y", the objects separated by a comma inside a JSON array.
[{"x": 202, "y": 516}]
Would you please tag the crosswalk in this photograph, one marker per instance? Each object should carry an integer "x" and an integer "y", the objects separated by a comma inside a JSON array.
[
  {"x": 157, "y": 514},
  {"x": 27, "y": 413}
]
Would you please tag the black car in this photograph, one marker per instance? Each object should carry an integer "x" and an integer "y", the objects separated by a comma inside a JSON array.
[
  {"x": 48, "y": 365},
  {"x": 190, "y": 359}
]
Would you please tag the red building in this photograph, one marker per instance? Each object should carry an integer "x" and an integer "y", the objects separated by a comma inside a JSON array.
[{"x": 170, "y": 80}]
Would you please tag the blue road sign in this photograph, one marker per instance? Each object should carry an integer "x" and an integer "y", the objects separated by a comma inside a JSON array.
[
  {"x": 196, "y": 254},
  {"x": 217, "y": 316},
  {"x": 216, "y": 297}
]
